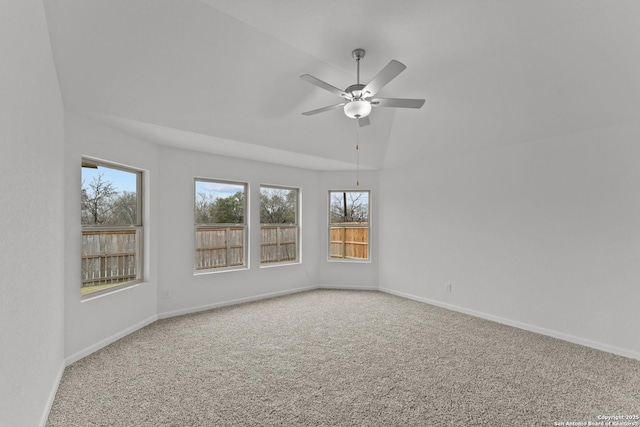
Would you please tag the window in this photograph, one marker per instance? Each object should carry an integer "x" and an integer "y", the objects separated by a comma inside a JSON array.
[
  {"x": 111, "y": 215},
  {"x": 279, "y": 225},
  {"x": 349, "y": 225},
  {"x": 220, "y": 225}
]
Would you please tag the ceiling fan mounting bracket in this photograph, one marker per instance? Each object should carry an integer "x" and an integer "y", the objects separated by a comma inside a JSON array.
[{"x": 358, "y": 54}]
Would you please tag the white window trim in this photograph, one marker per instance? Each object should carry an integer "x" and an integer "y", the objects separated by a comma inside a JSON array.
[
  {"x": 140, "y": 262},
  {"x": 297, "y": 224},
  {"x": 245, "y": 226},
  {"x": 368, "y": 226}
]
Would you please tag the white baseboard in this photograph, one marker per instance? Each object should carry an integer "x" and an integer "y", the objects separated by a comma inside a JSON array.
[
  {"x": 348, "y": 287},
  {"x": 52, "y": 396},
  {"x": 205, "y": 307},
  {"x": 105, "y": 342},
  {"x": 520, "y": 325}
]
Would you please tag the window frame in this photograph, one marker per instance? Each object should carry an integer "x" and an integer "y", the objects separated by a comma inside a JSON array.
[
  {"x": 367, "y": 226},
  {"x": 296, "y": 225},
  {"x": 138, "y": 228},
  {"x": 228, "y": 228}
]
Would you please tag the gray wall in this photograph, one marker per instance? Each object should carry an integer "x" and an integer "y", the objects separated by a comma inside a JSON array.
[
  {"x": 188, "y": 291},
  {"x": 543, "y": 235},
  {"x": 522, "y": 191},
  {"x": 31, "y": 217},
  {"x": 92, "y": 323},
  {"x": 356, "y": 275}
]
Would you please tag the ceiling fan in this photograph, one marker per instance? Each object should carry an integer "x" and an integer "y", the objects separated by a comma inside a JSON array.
[{"x": 359, "y": 98}]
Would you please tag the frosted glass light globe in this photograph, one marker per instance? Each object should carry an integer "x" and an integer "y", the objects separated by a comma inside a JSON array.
[{"x": 357, "y": 109}]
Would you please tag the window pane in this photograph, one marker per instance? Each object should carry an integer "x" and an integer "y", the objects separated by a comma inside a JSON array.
[
  {"x": 219, "y": 247},
  {"x": 349, "y": 206},
  {"x": 109, "y": 258},
  {"x": 279, "y": 229},
  {"x": 349, "y": 225},
  {"x": 108, "y": 196},
  {"x": 219, "y": 203},
  {"x": 349, "y": 242},
  {"x": 278, "y": 205}
]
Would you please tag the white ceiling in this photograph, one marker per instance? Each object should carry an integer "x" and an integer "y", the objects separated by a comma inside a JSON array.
[{"x": 222, "y": 75}]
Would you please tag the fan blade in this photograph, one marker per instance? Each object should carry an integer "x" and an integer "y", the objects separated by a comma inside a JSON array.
[
  {"x": 323, "y": 109},
  {"x": 388, "y": 73},
  {"x": 364, "y": 121},
  {"x": 397, "y": 102},
  {"x": 323, "y": 85}
]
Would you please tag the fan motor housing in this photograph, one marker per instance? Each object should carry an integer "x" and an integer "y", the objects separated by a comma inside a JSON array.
[{"x": 355, "y": 90}]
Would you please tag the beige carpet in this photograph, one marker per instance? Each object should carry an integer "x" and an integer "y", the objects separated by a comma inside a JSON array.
[{"x": 342, "y": 358}]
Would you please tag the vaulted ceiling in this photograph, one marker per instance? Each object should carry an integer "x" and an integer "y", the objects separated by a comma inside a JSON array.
[{"x": 221, "y": 76}]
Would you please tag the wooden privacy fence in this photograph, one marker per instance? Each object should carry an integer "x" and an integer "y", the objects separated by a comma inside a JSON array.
[
  {"x": 109, "y": 256},
  {"x": 278, "y": 243},
  {"x": 219, "y": 247},
  {"x": 349, "y": 242}
]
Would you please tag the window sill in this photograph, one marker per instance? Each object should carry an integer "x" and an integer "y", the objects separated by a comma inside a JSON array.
[
  {"x": 219, "y": 270},
  {"x": 280, "y": 264},
  {"x": 109, "y": 291},
  {"x": 349, "y": 261}
]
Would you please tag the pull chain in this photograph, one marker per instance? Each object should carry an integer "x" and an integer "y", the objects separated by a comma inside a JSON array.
[
  {"x": 357, "y": 153},
  {"x": 357, "y": 166}
]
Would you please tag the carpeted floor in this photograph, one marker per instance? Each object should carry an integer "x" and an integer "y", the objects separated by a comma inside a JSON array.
[{"x": 342, "y": 358}]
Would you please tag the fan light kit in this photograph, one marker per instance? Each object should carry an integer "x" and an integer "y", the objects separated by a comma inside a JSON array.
[
  {"x": 359, "y": 98},
  {"x": 357, "y": 109}
]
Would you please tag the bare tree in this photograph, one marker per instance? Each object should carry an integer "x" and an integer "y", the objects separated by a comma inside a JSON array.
[
  {"x": 349, "y": 206},
  {"x": 96, "y": 200},
  {"x": 203, "y": 206}
]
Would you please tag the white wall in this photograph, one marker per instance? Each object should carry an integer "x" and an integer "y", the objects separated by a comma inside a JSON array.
[
  {"x": 92, "y": 323},
  {"x": 544, "y": 234},
  {"x": 180, "y": 290},
  {"x": 342, "y": 274},
  {"x": 31, "y": 217}
]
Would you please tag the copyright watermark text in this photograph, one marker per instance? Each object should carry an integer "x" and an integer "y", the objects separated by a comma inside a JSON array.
[{"x": 609, "y": 420}]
